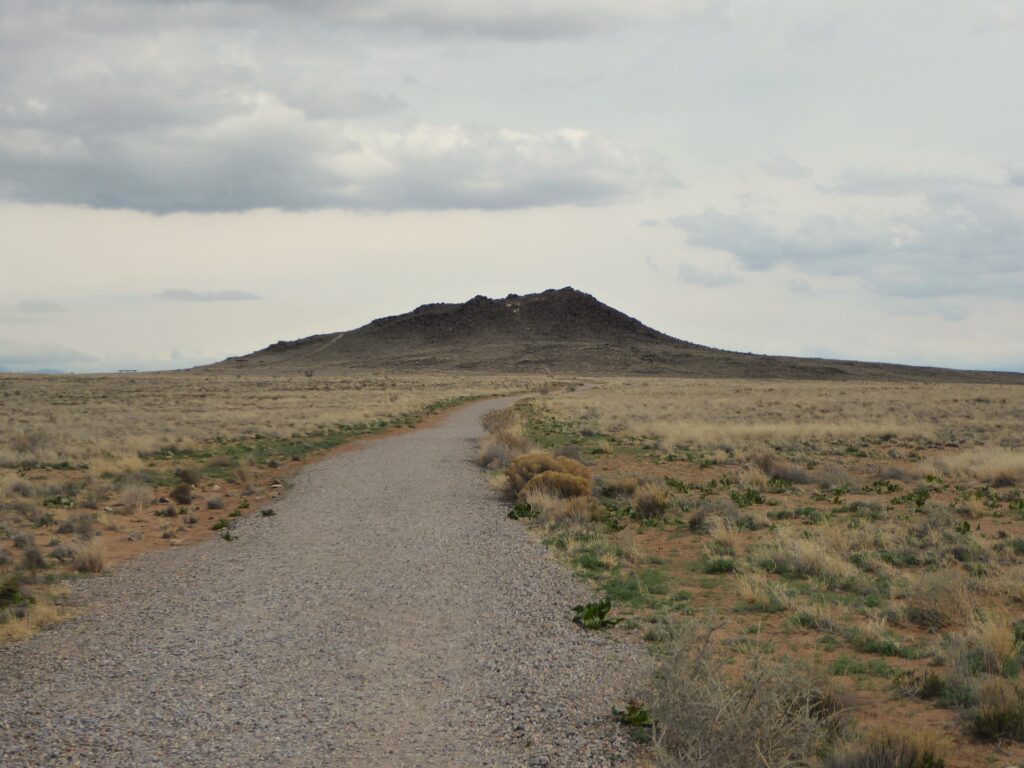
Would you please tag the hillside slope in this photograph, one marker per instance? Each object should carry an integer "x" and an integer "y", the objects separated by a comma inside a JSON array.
[{"x": 557, "y": 331}]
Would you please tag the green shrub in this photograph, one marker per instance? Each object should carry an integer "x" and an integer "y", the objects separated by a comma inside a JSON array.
[{"x": 998, "y": 713}]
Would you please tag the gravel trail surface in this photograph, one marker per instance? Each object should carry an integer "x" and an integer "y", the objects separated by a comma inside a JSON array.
[{"x": 388, "y": 615}]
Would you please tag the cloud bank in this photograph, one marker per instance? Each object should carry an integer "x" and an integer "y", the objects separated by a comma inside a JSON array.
[
  {"x": 203, "y": 114},
  {"x": 186, "y": 294}
]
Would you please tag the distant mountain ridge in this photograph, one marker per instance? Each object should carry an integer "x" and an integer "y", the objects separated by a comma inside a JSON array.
[{"x": 558, "y": 331}]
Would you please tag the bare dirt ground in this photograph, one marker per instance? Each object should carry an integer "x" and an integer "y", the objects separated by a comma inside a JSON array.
[{"x": 387, "y": 614}]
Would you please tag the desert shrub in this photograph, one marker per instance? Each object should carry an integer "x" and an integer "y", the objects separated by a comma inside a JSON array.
[
  {"x": 998, "y": 712},
  {"x": 890, "y": 749},
  {"x": 617, "y": 486},
  {"x": 95, "y": 492},
  {"x": 23, "y": 540},
  {"x": 833, "y": 476},
  {"x": 557, "y": 509},
  {"x": 789, "y": 554},
  {"x": 11, "y": 594},
  {"x": 32, "y": 559},
  {"x": 136, "y": 496},
  {"x": 754, "y": 478},
  {"x": 182, "y": 493},
  {"x": 190, "y": 475},
  {"x": 939, "y": 600},
  {"x": 61, "y": 553},
  {"x": 498, "y": 450},
  {"x": 782, "y": 469},
  {"x": 988, "y": 645},
  {"x": 521, "y": 469},
  {"x": 215, "y": 502},
  {"x": 82, "y": 524},
  {"x": 725, "y": 536},
  {"x": 769, "y": 712},
  {"x": 21, "y": 488},
  {"x": 245, "y": 475},
  {"x": 4, "y": 557},
  {"x": 760, "y": 594},
  {"x": 727, "y": 509},
  {"x": 570, "y": 451},
  {"x": 560, "y": 484},
  {"x": 89, "y": 559},
  {"x": 650, "y": 500},
  {"x": 505, "y": 438},
  {"x": 500, "y": 420}
]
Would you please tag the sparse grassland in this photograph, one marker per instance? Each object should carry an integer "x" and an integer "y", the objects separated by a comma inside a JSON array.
[
  {"x": 97, "y": 469},
  {"x": 868, "y": 533}
]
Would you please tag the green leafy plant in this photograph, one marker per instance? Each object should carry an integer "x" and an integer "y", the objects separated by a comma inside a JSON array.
[
  {"x": 522, "y": 510},
  {"x": 594, "y": 615},
  {"x": 635, "y": 714},
  {"x": 268, "y": 512},
  {"x": 219, "y": 525},
  {"x": 747, "y": 497}
]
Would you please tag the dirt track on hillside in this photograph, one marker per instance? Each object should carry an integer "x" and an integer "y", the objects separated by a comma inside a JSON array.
[{"x": 388, "y": 615}]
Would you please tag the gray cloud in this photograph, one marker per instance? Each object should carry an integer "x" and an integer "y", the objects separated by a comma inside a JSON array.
[
  {"x": 96, "y": 110},
  {"x": 187, "y": 294},
  {"x": 965, "y": 238},
  {"x": 708, "y": 279},
  {"x": 785, "y": 167},
  {"x": 38, "y": 306},
  {"x": 523, "y": 19}
]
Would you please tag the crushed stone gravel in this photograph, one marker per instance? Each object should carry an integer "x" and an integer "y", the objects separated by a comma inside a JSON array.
[{"x": 388, "y": 614}]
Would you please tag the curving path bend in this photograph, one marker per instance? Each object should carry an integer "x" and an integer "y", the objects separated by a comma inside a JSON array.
[{"x": 388, "y": 615}]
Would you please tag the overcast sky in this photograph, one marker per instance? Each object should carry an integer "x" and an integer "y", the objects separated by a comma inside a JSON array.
[{"x": 185, "y": 180}]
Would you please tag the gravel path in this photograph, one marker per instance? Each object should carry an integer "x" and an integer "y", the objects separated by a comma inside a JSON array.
[{"x": 388, "y": 615}]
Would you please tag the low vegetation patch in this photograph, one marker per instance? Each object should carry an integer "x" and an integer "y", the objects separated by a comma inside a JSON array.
[
  {"x": 712, "y": 708},
  {"x": 867, "y": 533}
]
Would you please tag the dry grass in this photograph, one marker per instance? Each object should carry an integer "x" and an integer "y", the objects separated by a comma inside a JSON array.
[
  {"x": 115, "y": 423},
  {"x": 992, "y": 465},
  {"x": 650, "y": 500},
  {"x": 554, "y": 508},
  {"x": 524, "y": 468},
  {"x": 89, "y": 559},
  {"x": 505, "y": 438},
  {"x": 765, "y": 711},
  {"x": 764, "y": 416},
  {"x": 37, "y": 616},
  {"x": 891, "y": 748},
  {"x": 562, "y": 485},
  {"x": 872, "y": 531},
  {"x": 941, "y": 599},
  {"x": 791, "y": 554}
]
